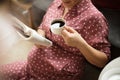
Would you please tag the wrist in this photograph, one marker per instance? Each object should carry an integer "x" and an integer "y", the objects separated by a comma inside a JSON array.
[{"x": 81, "y": 45}]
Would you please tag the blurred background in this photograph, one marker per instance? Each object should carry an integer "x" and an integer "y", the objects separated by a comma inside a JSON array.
[{"x": 31, "y": 13}]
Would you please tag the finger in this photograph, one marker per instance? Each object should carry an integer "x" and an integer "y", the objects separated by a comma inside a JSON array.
[
  {"x": 70, "y": 29},
  {"x": 64, "y": 39},
  {"x": 65, "y": 33},
  {"x": 41, "y": 32},
  {"x": 39, "y": 46}
]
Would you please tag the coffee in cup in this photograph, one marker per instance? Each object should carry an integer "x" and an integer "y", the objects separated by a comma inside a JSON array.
[{"x": 57, "y": 26}]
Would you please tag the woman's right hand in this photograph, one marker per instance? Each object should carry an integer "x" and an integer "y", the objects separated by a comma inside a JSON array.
[{"x": 42, "y": 33}]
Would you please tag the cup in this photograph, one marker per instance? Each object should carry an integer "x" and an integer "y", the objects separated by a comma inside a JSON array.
[{"x": 57, "y": 25}]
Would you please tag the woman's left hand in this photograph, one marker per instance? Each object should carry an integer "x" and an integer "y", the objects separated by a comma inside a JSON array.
[{"x": 72, "y": 37}]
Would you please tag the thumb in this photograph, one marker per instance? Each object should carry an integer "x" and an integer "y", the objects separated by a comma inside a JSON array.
[{"x": 65, "y": 33}]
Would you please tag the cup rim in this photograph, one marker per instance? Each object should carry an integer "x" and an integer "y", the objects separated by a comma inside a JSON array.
[{"x": 59, "y": 19}]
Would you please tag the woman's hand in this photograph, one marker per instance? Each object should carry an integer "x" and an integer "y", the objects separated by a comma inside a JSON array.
[
  {"x": 92, "y": 55},
  {"x": 72, "y": 37},
  {"x": 41, "y": 32}
]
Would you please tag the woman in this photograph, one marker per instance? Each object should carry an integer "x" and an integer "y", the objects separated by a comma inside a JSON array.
[{"x": 84, "y": 37}]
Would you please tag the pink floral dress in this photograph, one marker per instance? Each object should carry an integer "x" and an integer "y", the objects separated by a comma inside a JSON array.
[{"x": 62, "y": 62}]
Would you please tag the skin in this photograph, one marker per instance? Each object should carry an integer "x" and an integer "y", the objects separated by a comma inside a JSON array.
[
  {"x": 74, "y": 39},
  {"x": 41, "y": 32},
  {"x": 70, "y": 3}
]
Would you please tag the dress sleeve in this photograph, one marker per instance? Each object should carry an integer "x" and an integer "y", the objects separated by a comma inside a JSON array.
[{"x": 96, "y": 33}]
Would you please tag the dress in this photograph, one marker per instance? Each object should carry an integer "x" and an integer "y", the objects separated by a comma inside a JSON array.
[{"x": 62, "y": 62}]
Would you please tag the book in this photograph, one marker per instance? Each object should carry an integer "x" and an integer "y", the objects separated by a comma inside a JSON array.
[{"x": 28, "y": 34}]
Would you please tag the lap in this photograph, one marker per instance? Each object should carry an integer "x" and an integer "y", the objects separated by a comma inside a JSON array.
[
  {"x": 55, "y": 63},
  {"x": 13, "y": 71},
  {"x": 46, "y": 64}
]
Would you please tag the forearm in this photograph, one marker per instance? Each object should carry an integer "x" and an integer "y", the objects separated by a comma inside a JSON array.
[
  {"x": 92, "y": 55},
  {"x": 74, "y": 39}
]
